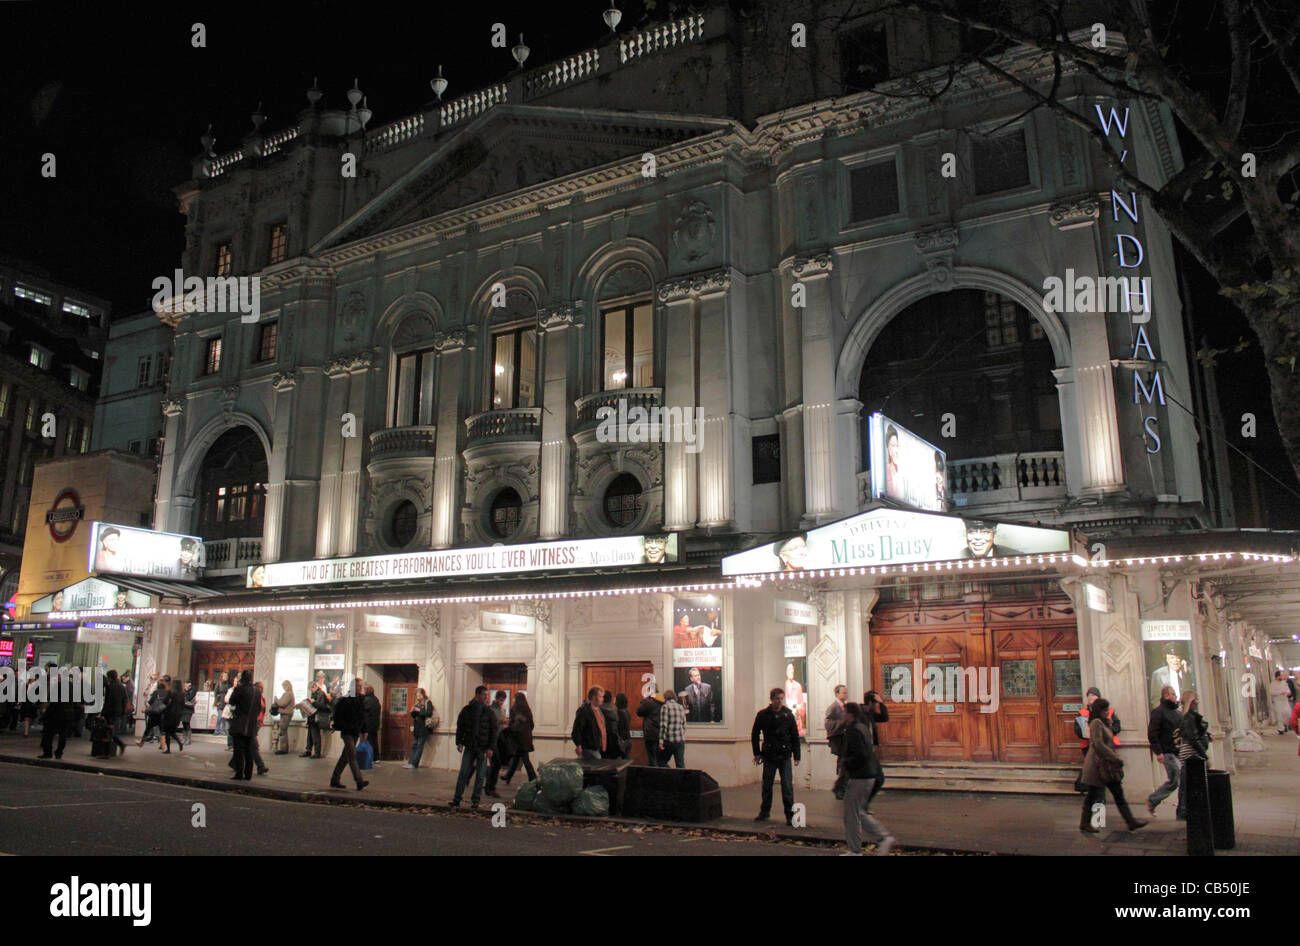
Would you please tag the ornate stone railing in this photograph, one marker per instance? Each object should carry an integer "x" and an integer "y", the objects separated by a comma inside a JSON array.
[
  {"x": 275, "y": 142},
  {"x": 1003, "y": 478},
  {"x": 665, "y": 36},
  {"x": 467, "y": 106},
  {"x": 559, "y": 74},
  {"x": 394, "y": 442},
  {"x": 231, "y": 554},
  {"x": 219, "y": 164},
  {"x": 395, "y": 133},
  {"x": 519, "y": 423},
  {"x": 589, "y": 406}
]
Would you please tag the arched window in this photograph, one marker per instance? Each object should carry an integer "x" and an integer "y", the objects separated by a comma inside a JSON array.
[
  {"x": 623, "y": 500},
  {"x": 411, "y": 403},
  {"x": 505, "y": 513},
  {"x": 232, "y": 486},
  {"x": 627, "y": 330},
  {"x": 514, "y": 352}
]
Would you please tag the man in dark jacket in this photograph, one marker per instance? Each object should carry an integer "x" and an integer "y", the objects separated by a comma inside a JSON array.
[
  {"x": 862, "y": 768},
  {"x": 245, "y": 704},
  {"x": 500, "y": 740},
  {"x": 1165, "y": 721},
  {"x": 349, "y": 721},
  {"x": 374, "y": 710},
  {"x": 780, "y": 744},
  {"x": 57, "y": 717},
  {"x": 475, "y": 733},
  {"x": 649, "y": 711},
  {"x": 589, "y": 725},
  {"x": 114, "y": 708}
]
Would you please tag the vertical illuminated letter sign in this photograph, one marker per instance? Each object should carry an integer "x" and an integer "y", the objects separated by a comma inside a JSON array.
[{"x": 1128, "y": 248}]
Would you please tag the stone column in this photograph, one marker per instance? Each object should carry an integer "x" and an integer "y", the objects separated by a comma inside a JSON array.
[
  {"x": 1098, "y": 430},
  {"x": 361, "y": 366},
  {"x": 678, "y": 306},
  {"x": 822, "y": 455},
  {"x": 164, "y": 516},
  {"x": 327, "y": 508},
  {"x": 453, "y": 353},
  {"x": 278, "y": 466},
  {"x": 556, "y": 325},
  {"x": 718, "y": 380}
]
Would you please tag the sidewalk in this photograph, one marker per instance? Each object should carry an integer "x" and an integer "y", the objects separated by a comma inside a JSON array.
[{"x": 1267, "y": 808}]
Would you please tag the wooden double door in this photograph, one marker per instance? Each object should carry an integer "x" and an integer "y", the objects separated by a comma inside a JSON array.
[
  {"x": 208, "y": 659},
  {"x": 395, "y": 738},
  {"x": 933, "y": 667},
  {"x": 628, "y": 678}
]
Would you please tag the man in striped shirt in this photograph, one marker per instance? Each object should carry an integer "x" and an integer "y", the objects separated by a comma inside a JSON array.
[{"x": 672, "y": 731}]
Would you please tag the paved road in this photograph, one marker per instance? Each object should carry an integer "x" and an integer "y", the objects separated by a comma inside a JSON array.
[{"x": 57, "y": 812}]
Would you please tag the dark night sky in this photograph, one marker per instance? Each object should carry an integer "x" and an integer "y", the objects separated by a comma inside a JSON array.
[{"x": 122, "y": 101}]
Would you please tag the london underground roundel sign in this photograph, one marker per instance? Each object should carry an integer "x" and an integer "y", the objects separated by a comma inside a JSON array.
[{"x": 64, "y": 514}]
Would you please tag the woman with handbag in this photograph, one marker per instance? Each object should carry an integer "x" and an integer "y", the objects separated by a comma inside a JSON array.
[
  {"x": 521, "y": 731},
  {"x": 318, "y": 723},
  {"x": 1194, "y": 743},
  {"x": 1103, "y": 769},
  {"x": 420, "y": 714},
  {"x": 172, "y": 714}
]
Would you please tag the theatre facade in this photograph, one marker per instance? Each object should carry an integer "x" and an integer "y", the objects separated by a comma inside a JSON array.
[{"x": 433, "y": 457}]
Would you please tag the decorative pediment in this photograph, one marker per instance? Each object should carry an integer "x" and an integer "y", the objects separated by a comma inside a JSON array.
[{"x": 512, "y": 149}]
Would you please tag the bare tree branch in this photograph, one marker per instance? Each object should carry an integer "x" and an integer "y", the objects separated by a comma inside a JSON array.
[
  {"x": 1234, "y": 113},
  {"x": 1285, "y": 45}
]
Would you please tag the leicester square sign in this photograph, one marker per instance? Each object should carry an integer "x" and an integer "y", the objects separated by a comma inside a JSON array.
[
  {"x": 615, "y": 552},
  {"x": 64, "y": 514}
]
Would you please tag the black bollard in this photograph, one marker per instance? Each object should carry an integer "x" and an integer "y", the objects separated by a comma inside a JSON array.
[
  {"x": 1221, "y": 817},
  {"x": 1200, "y": 832}
]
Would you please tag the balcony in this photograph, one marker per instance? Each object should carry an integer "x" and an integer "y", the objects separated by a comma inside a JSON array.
[
  {"x": 230, "y": 556},
  {"x": 1001, "y": 480},
  {"x": 588, "y": 407},
  {"x": 401, "y": 442},
  {"x": 516, "y": 425}
]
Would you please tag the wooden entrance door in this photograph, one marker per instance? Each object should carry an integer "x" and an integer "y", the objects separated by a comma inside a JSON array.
[
  {"x": 943, "y": 720},
  {"x": 1022, "y": 713},
  {"x": 626, "y": 678},
  {"x": 892, "y": 666},
  {"x": 208, "y": 659},
  {"x": 399, "y": 696},
  {"x": 1065, "y": 691}
]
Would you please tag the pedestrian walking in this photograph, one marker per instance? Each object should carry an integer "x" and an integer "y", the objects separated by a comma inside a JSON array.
[
  {"x": 374, "y": 711},
  {"x": 649, "y": 711},
  {"x": 1103, "y": 769},
  {"x": 775, "y": 739},
  {"x": 349, "y": 721},
  {"x": 156, "y": 703},
  {"x": 284, "y": 704},
  {"x": 126, "y": 725},
  {"x": 243, "y": 701},
  {"x": 589, "y": 724},
  {"x": 56, "y": 717},
  {"x": 861, "y": 768},
  {"x": 1279, "y": 695},
  {"x": 1112, "y": 720},
  {"x": 672, "y": 731},
  {"x": 500, "y": 742},
  {"x": 521, "y": 734},
  {"x": 173, "y": 710},
  {"x": 30, "y": 710},
  {"x": 420, "y": 714},
  {"x": 114, "y": 709},
  {"x": 1164, "y": 722},
  {"x": 261, "y": 718},
  {"x": 833, "y": 723},
  {"x": 318, "y": 722},
  {"x": 875, "y": 712},
  {"x": 187, "y": 711},
  {"x": 1193, "y": 743},
  {"x": 474, "y": 736}
]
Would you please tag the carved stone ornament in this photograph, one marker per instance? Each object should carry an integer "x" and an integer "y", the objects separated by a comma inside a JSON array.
[
  {"x": 173, "y": 407},
  {"x": 694, "y": 231},
  {"x": 805, "y": 266},
  {"x": 937, "y": 248},
  {"x": 351, "y": 316},
  {"x": 718, "y": 280},
  {"x": 228, "y": 396},
  {"x": 284, "y": 380},
  {"x": 560, "y": 315},
  {"x": 1075, "y": 212},
  {"x": 451, "y": 341}
]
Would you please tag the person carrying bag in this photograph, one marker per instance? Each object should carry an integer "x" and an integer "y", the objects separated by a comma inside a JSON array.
[{"x": 1103, "y": 769}]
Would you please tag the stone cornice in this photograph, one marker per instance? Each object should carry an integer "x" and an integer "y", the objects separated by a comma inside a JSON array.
[
  {"x": 698, "y": 284},
  {"x": 560, "y": 315}
]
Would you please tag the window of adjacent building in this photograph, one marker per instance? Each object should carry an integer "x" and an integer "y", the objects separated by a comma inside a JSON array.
[
  {"x": 212, "y": 356},
  {"x": 29, "y": 300},
  {"x": 30, "y": 422},
  {"x": 78, "y": 379},
  {"x": 85, "y": 438},
  {"x": 40, "y": 357},
  {"x": 402, "y": 524},
  {"x": 514, "y": 368},
  {"x": 864, "y": 57},
  {"x": 144, "y": 371},
  {"x": 413, "y": 389},
  {"x": 873, "y": 191},
  {"x": 505, "y": 513},
  {"x": 1000, "y": 162},
  {"x": 628, "y": 338},
  {"x": 5, "y": 390},
  {"x": 268, "y": 337},
  {"x": 623, "y": 500},
  {"x": 133, "y": 446},
  {"x": 278, "y": 249},
  {"x": 72, "y": 308},
  {"x": 1001, "y": 320},
  {"x": 767, "y": 458},
  {"x": 224, "y": 259}
]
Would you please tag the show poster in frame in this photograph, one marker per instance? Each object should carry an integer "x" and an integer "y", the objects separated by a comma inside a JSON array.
[
  {"x": 697, "y": 657},
  {"x": 795, "y": 651},
  {"x": 329, "y": 655},
  {"x": 1167, "y": 651},
  {"x": 906, "y": 469}
]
